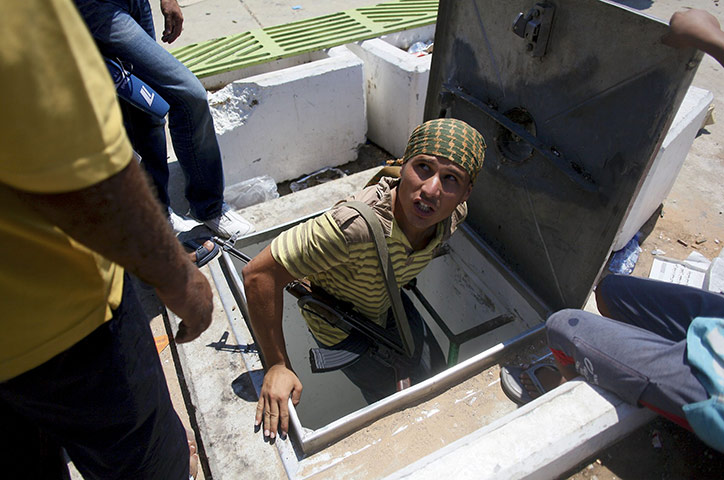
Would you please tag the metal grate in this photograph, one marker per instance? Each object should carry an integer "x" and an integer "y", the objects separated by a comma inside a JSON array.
[{"x": 273, "y": 43}]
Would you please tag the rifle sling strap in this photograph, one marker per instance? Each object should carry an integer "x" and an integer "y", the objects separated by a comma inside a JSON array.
[{"x": 403, "y": 326}]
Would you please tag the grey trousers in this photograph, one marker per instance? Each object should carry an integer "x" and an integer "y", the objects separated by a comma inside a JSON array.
[{"x": 640, "y": 353}]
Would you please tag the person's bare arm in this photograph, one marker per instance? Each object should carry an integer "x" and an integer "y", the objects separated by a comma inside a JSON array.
[
  {"x": 698, "y": 29},
  {"x": 264, "y": 281},
  {"x": 173, "y": 20},
  {"x": 120, "y": 219}
]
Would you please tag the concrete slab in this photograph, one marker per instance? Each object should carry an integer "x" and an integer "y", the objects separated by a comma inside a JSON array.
[
  {"x": 206, "y": 19},
  {"x": 223, "y": 399},
  {"x": 285, "y": 11},
  {"x": 314, "y": 112},
  {"x": 396, "y": 86},
  {"x": 305, "y": 202},
  {"x": 541, "y": 440}
]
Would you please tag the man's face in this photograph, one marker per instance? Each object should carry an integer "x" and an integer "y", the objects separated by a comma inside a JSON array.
[{"x": 429, "y": 190}]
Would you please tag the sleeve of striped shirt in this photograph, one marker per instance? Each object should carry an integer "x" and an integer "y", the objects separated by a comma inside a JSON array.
[{"x": 311, "y": 247}]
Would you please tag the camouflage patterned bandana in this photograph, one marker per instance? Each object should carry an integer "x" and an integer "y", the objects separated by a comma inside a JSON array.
[{"x": 450, "y": 138}]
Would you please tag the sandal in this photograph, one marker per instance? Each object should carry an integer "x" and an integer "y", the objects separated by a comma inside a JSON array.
[
  {"x": 202, "y": 255},
  {"x": 513, "y": 386}
]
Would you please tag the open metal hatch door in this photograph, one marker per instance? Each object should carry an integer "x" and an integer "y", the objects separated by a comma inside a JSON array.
[{"x": 574, "y": 98}]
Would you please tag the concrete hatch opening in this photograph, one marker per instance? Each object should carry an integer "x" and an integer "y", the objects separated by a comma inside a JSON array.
[{"x": 573, "y": 112}]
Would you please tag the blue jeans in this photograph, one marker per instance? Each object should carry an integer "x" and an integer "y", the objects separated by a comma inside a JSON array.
[
  {"x": 124, "y": 29},
  {"x": 104, "y": 400}
]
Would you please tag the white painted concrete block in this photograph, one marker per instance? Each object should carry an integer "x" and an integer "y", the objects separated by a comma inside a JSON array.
[
  {"x": 667, "y": 164},
  {"x": 396, "y": 86},
  {"x": 291, "y": 122},
  {"x": 540, "y": 440}
]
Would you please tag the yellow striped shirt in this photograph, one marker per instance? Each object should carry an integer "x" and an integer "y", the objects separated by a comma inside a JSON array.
[{"x": 336, "y": 251}]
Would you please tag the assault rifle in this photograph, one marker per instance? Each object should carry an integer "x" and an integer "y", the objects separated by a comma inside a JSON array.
[{"x": 364, "y": 335}]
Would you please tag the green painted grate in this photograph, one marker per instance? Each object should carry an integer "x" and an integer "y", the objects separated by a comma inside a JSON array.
[{"x": 272, "y": 43}]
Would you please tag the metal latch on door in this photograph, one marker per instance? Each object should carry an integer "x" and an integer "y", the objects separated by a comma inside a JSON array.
[{"x": 534, "y": 27}]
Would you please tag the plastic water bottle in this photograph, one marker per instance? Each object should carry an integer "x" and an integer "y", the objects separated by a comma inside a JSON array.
[
  {"x": 623, "y": 261},
  {"x": 419, "y": 48}
]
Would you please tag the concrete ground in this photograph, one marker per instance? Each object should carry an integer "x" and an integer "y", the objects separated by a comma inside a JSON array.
[{"x": 693, "y": 211}]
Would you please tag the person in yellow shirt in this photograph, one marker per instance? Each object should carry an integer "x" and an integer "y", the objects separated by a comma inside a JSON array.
[{"x": 78, "y": 366}]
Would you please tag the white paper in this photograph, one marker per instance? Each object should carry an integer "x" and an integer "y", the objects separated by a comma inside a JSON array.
[
  {"x": 715, "y": 277},
  {"x": 674, "y": 271}
]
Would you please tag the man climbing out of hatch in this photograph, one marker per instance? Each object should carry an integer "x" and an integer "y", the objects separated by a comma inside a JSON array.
[
  {"x": 657, "y": 344},
  {"x": 336, "y": 254}
]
